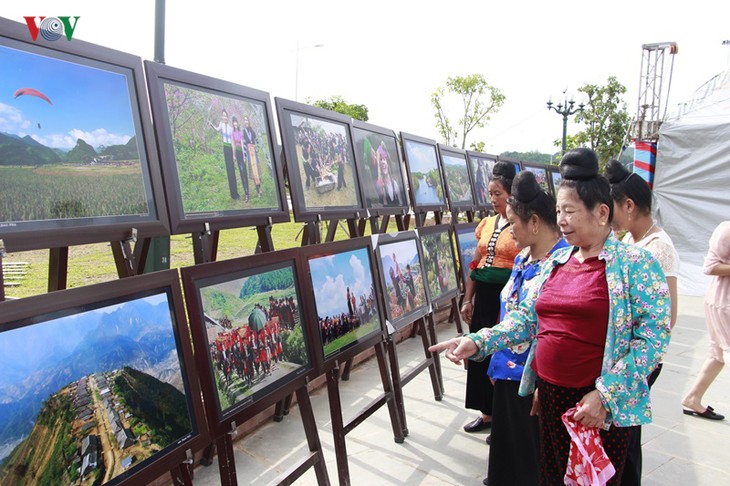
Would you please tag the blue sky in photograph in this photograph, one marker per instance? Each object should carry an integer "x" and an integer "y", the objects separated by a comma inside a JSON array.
[
  {"x": 453, "y": 161},
  {"x": 405, "y": 251},
  {"x": 331, "y": 275},
  {"x": 421, "y": 157},
  {"x": 88, "y": 103}
]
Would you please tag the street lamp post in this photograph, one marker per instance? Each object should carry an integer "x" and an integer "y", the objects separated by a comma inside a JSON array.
[
  {"x": 566, "y": 110},
  {"x": 296, "y": 73}
]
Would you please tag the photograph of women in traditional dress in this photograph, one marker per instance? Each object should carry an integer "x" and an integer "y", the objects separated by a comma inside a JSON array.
[
  {"x": 481, "y": 170},
  {"x": 254, "y": 333},
  {"x": 541, "y": 175},
  {"x": 422, "y": 160},
  {"x": 400, "y": 265},
  {"x": 344, "y": 295},
  {"x": 222, "y": 149},
  {"x": 439, "y": 263},
  {"x": 91, "y": 392},
  {"x": 380, "y": 169},
  {"x": 456, "y": 174}
]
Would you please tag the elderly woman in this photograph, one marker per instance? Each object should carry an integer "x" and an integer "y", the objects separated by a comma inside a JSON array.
[
  {"x": 491, "y": 269},
  {"x": 513, "y": 457},
  {"x": 598, "y": 317}
]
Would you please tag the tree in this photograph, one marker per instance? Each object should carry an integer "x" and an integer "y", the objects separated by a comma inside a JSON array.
[
  {"x": 479, "y": 101},
  {"x": 606, "y": 119},
  {"x": 338, "y": 104},
  {"x": 532, "y": 156}
]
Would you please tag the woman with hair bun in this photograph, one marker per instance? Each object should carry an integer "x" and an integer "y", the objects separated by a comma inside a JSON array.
[
  {"x": 491, "y": 268},
  {"x": 598, "y": 318},
  {"x": 632, "y": 201},
  {"x": 513, "y": 457}
]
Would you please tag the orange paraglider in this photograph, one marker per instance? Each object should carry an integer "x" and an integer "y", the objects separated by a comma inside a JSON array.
[{"x": 32, "y": 92}]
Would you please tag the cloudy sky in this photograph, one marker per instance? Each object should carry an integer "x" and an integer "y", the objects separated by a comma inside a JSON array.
[{"x": 391, "y": 56}]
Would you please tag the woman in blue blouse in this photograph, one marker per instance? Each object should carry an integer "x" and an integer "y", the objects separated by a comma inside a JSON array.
[
  {"x": 513, "y": 457},
  {"x": 598, "y": 318}
]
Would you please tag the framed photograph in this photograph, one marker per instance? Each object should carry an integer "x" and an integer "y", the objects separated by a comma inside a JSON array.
[
  {"x": 320, "y": 162},
  {"x": 381, "y": 172},
  {"x": 457, "y": 179},
  {"x": 515, "y": 162},
  {"x": 99, "y": 384},
  {"x": 424, "y": 173},
  {"x": 480, "y": 167},
  {"x": 342, "y": 284},
  {"x": 400, "y": 266},
  {"x": 439, "y": 263},
  {"x": 466, "y": 243},
  {"x": 555, "y": 178},
  {"x": 216, "y": 142},
  {"x": 78, "y": 161},
  {"x": 541, "y": 175},
  {"x": 248, "y": 326}
]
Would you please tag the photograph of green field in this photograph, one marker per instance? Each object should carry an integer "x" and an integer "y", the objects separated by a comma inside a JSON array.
[
  {"x": 344, "y": 296},
  {"x": 68, "y": 142},
  {"x": 254, "y": 334},
  {"x": 222, "y": 151},
  {"x": 456, "y": 174}
]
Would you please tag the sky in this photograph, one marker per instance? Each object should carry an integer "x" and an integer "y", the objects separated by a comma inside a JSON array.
[
  {"x": 332, "y": 275},
  {"x": 391, "y": 56}
]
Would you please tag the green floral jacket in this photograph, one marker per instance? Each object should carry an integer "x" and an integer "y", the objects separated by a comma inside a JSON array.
[{"x": 637, "y": 337}]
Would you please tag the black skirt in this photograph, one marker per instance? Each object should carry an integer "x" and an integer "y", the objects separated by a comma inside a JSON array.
[
  {"x": 479, "y": 390},
  {"x": 515, "y": 444}
]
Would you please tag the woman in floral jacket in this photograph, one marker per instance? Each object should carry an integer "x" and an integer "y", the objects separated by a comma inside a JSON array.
[{"x": 598, "y": 318}]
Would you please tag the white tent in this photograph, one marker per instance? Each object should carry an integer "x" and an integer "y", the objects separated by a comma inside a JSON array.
[{"x": 692, "y": 177}]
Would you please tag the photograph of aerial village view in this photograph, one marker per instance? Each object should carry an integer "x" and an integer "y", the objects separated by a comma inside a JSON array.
[
  {"x": 90, "y": 395},
  {"x": 68, "y": 142}
]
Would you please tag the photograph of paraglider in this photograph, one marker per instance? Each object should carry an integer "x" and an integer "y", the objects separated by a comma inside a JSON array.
[
  {"x": 345, "y": 295},
  {"x": 401, "y": 273},
  {"x": 439, "y": 262},
  {"x": 74, "y": 150},
  {"x": 320, "y": 161},
  {"x": 99, "y": 384},
  {"x": 379, "y": 164},
  {"x": 481, "y": 166},
  {"x": 457, "y": 179},
  {"x": 424, "y": 173},
  {"x": 246, "y": 318},
  {"x": 217, "y": 139}
]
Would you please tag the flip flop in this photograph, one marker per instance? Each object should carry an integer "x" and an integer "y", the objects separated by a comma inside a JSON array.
[{"x": 709, "y": 413}]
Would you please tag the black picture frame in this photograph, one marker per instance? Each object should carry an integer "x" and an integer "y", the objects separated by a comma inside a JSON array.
[
  {"x": 555, "y": 178},
  {"x": 109, "y": 182},
  {"x": 422, "y": 162},
  {"x": 114, "y": 355},
  {"x": 439, "y": 263},
  {"x": 515, "y": 162},
  {"x": 250, "y": 191},
  {"x": 466, "y": 244},
  {"x": 480, "y": 167},
  {"x": 402, "y": 244},
  {"x": 306, "y": 128},
  {"x": 541, "y": 175},
  {"x": 384, "y": 146},
  {"x": 457, "y": 178},
  {"x": 330, "y": 267},
  {"x": 238, "y": 386}
]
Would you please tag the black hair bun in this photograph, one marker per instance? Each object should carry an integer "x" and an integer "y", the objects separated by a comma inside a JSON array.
[
  {"x": 525, "y": 187},
  {"x": 505, "y": 170},
  {"x": 616, "y": 172},
  {"x": 579, "y": 165}
]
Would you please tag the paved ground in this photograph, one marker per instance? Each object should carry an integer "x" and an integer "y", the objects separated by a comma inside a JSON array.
[{"x": 678, "y": 449}]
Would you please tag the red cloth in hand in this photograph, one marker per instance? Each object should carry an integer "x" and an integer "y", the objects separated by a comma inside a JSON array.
[{"x": 588, "y": 463}]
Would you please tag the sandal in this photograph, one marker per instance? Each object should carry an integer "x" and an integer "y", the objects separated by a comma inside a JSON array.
[{"x": 709, "y": 413}]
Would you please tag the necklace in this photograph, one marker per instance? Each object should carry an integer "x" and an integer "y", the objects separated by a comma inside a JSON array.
[{"x": 647, "y": 232}]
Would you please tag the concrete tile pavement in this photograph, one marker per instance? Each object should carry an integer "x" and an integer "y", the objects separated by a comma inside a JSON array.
[{"x": 678, "y": 449}]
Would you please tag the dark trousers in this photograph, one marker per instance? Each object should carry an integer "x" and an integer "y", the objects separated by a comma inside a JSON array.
[
  {"x": 230, "y": 170},
  {"x": 479, "y": 390},
  {"x": 242, "y": 169}
]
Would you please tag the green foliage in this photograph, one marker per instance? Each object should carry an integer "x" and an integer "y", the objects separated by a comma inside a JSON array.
[
  {"x": 266, "y": 282},
  {"x": 338, "y": 104},
  {"x": 606, "y": 119},
  {"x": 479, "y": 101},
  {"x": 81, "y": 153},
  {"x": 533, "y": 156},
  {"x": 295, "y": 351}
]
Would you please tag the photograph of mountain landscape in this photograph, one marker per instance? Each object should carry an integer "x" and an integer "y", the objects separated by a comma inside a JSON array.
[
  {"x": 69, "y": 144},
  {"x": 254, "y": 334},
  {"x": 405, "y": 293},
  {"x": 422, "y": 161},
  {"x": 88, "y": 395},
  {"x": 456, "y": 173}
]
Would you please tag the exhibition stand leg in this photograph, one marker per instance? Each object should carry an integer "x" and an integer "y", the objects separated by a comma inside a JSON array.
[
  {"x": 435, "y": 356},
  {"x": 205, "y": 245},
  {"x": 58, "y": 269},
  {"x": 182, "y": 475},
  {"x": 130, "y": 261}
]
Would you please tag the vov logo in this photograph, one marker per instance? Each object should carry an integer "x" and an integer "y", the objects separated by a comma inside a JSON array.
[{"x": 51, "y": 28}]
